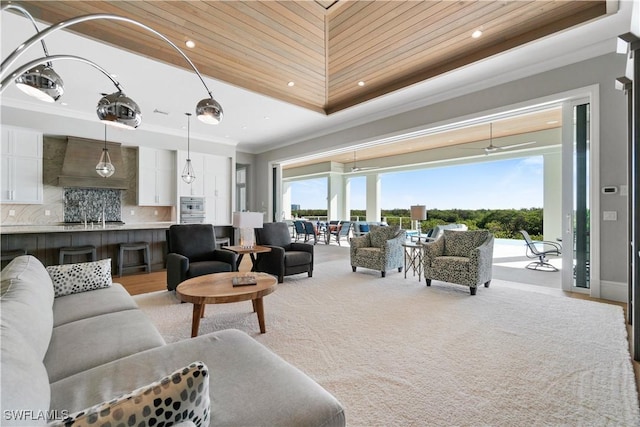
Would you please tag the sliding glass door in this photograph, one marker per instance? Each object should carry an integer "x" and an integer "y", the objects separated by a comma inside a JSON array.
[{"x": 576, "y": 197}]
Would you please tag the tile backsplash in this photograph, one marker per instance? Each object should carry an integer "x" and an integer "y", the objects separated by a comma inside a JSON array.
[{"x": 89, "y": 204}]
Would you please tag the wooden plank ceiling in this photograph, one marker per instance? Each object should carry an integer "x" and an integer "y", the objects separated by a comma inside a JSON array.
[
  {"x": 477, "y": 136},
  {"x": 325, "y": 47}
]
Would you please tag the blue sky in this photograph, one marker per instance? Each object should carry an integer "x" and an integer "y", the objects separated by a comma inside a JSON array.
[{"x": 503, "y": 184}]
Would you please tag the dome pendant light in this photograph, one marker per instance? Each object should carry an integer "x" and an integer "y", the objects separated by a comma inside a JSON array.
[
  {"x": 105, "y": 168},
  {"x": 41, "y": 82},
  {"x": 188, "y": 175},
  {"x": 119, "y": 110}
]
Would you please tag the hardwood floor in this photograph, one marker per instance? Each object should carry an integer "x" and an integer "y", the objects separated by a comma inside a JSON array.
[{"x": 137, "y": 284}]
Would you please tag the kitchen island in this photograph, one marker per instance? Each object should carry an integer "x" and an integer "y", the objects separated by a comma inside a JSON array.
[{"x": 45, "y": 241}]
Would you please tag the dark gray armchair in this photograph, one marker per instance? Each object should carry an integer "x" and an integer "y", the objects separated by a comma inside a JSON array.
[
  {"x": 286, "y": 257},
  {"x": 192, "y": 252}
]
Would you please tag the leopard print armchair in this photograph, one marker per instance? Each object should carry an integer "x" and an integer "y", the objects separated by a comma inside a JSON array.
[
  {"x": 381, "y": 249},
  {"x": 461, "y": 257}
]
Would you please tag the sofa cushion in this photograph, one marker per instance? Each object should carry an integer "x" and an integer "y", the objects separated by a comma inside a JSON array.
[
  {"x": 90, "y": 342},
  {"x": 80, "y": 277},
  {"x": 26, "y": 302},
  {"x": 24, "y": 384},
  {"x": 239, "y": 366},
  {"x": 89, "y": 304},
  {"x": 180, "y": 396}
]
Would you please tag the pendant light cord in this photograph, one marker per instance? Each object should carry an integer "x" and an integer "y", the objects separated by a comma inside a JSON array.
[{"x": 188, "y": 136}]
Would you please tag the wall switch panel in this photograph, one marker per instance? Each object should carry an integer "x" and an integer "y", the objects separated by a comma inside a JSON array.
[{"x": 610, "y": 216}]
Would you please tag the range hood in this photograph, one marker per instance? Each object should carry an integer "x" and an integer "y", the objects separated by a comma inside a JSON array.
[{"x": 79, "y": 166}]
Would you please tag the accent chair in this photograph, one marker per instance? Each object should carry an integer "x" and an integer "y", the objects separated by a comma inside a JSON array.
[
  {"x": 461, "y": 257},
  {"x": 192, "y": 252},
  {"x": 286, "y": 257},
  {"x": 380, "y": 249}
]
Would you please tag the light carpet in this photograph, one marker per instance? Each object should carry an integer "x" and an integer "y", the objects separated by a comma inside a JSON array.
[{"x": 398, "y": 353}]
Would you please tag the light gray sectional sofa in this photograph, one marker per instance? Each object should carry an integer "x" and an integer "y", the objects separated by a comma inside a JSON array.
[{"x": 64, "y": 354}]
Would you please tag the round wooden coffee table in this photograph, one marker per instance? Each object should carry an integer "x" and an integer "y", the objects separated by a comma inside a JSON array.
[{"x": 218, "y": 288}]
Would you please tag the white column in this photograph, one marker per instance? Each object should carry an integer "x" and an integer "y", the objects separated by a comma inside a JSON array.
[
  {"x": 286, "y": 200},
  {"x": 336, "y": 197},
  {"x": 552, "y": 216},
  {"x": 347, "y": 198},
  {"x": 373, "y": 197}
]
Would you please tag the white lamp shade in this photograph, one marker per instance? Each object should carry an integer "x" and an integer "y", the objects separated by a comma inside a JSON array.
[
  {"x": 247, "y": 219},
  {"x": 418, "y": 212}
]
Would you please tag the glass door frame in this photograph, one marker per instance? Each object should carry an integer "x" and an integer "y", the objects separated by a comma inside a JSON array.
[{"x": 568, "y": 135}]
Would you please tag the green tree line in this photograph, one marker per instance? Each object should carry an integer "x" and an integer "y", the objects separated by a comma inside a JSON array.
[{"x": 503, "y": 223}]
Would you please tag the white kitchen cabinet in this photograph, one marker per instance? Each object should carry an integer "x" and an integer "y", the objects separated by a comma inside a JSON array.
[
  {"x": 213, "y": 181},
  {"x": 21, "y": 155},
  {"x": 156, "y": 177},
  {"x": 217, "y": 189}
]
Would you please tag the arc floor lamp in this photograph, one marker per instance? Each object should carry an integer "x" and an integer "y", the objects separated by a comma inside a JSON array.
[{"x": 38, "y": 78}]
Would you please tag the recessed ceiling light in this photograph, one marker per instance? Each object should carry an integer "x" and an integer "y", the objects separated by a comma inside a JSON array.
[
  {"x": 290, "y": 84},
  {"x": 476, "y": 34},
  {"x": 244, "y": 127},
  {"x": 360, "y": 83},
  {"x": 267, "y": 117},
  {"x": 190, "y": 44}
]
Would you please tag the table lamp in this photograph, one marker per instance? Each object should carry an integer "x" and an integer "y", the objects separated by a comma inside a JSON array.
[
  {"x": 247, "y": 222},
  {"x": 418, "y": 213}
]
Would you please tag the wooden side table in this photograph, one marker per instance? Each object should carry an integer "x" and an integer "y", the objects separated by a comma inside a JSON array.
[
  {"x": 241, "y": 251},
  {"x": 413, "y": 258}
]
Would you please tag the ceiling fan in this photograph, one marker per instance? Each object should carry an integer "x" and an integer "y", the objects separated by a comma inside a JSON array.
[
  {"x": 493, "y": 148},
  {"x": 356, "y": 168}
]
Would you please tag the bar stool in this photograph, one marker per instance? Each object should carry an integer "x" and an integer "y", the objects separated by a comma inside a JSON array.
[
  {"x": 222, "y": 241},
  {"x": 77, "y": 250},
  {"x": 136, "y": 246}
]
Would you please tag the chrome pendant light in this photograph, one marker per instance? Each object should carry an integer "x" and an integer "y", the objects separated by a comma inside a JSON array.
[
  {"x": 209, "y": 111},
  {"x": 119, "y": 110},
  {"x": 188, "y": 174},
  {"x": 105, "y": 168},
  {"x": 41, "y": 82}
]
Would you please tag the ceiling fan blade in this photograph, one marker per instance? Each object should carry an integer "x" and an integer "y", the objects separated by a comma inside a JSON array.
[
  {"x": 521, "y": 144},
  {"x": 361, "y": 168}
]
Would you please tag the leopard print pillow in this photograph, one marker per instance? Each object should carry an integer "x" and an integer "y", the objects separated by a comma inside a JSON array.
[
  {"x": 180, "y": 396},
  {"x": 80, "y": 277}
]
